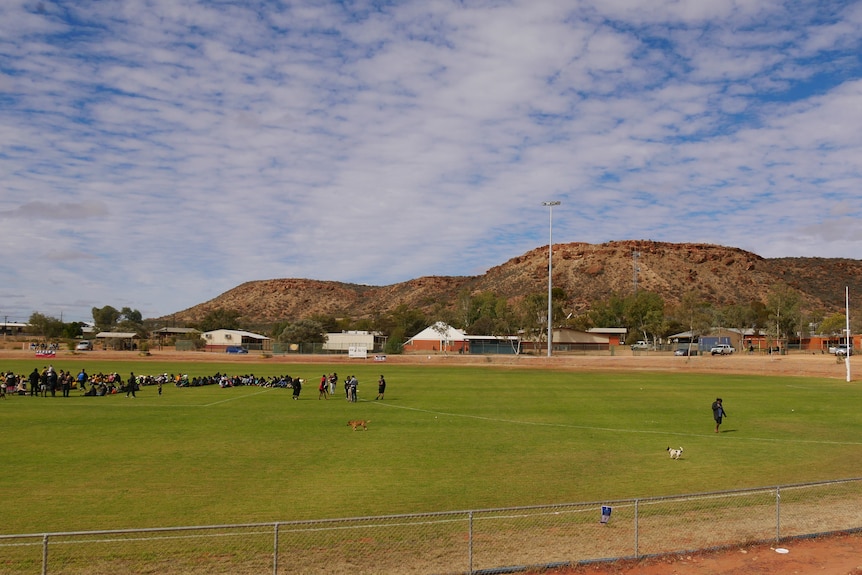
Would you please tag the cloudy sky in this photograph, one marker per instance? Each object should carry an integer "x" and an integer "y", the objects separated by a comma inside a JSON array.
[{"x": 157, "y": 153}]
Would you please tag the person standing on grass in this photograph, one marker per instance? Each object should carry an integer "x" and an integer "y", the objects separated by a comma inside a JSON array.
[
  {"x": 131, "y": 385},
  {"x": 352, "y": 388},
  {"x": 321, "y": 389},
  {"x": 52, "y": 381},
  {"x": 718, "y": 412},
  {"x": 381, "y": 387},
  {"x": 82, "y": 380},
  {"x": 34, "y": 382}
]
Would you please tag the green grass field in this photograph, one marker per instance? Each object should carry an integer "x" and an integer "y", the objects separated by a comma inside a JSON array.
[{"x": 443, "y": 439}]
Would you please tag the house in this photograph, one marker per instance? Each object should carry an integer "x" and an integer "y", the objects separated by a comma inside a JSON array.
[
  {"x": 167, "y": 333},
  {"x": 567, "y": 339},
  {"x": 118, "y": 340},
  {"x": 438, "y": 337},
  {"x": 221, "y": 339},
  {"x": 615, "y": 335},
  {"x": 13, "y": 328},
  {"x": 355, "y": 339}
]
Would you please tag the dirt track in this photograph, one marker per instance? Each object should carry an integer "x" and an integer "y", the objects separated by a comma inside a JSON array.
[{"x": 803, "y": 364}]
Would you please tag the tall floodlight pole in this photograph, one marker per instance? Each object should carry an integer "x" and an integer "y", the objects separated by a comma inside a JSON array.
[
  {"x": 849, "y": 339},
  {"x": 550, "y": 206}
]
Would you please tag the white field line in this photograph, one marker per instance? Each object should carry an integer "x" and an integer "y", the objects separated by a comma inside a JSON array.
[
  {"x": 265, "y": 390},
  {"x": 614, "y": 429}
]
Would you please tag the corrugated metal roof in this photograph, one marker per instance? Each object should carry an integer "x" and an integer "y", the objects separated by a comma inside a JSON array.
[{"x": 117, "y": 334}]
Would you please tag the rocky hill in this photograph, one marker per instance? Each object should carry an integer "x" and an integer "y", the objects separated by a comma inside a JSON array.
[{"x": 586, "y": 272}]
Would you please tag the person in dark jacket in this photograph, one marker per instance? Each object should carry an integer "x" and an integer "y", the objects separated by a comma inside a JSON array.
[
  {"x": 34, "y": 382},
  {"x": 131, "y": 385},
  {"x": 381, "y": 388},
  {"x": 718, "y": 412}
]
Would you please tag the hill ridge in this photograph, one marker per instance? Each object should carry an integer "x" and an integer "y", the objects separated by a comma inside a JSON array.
[{"x": 586, "y": 272}]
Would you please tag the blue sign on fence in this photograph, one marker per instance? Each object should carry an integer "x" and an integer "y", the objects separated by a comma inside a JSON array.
[{"x": 606, "y": 513}]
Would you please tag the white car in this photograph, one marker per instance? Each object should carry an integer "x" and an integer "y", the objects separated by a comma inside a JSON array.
[
  {"x": 843, "y": 350},
  {"x": 85, "y": 345},
  {"x": 721, "y": 349}
]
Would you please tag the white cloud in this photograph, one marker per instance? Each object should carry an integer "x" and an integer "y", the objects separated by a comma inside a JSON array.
[{"x": 157, "y": 154}]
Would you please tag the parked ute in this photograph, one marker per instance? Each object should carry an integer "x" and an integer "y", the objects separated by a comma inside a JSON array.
[
  {"x": 721, "y": 349},
  {"x": 641, "y": 345},
  {"x": 85, "y": 345},
  {"x": 843, "y": 350}
]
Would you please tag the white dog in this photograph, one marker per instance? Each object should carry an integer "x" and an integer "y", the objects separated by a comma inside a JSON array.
[{"x": 675, "y": 453}]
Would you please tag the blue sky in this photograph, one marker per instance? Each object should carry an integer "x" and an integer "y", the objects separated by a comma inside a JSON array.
[{"x": 155, "y": 154}]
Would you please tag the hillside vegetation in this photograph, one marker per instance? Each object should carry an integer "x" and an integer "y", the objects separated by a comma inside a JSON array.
[{"x": 586, "y": 272}]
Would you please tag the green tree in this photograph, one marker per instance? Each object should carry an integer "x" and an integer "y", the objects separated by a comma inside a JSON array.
[
  {"x": 329, "y": 323},
  {"x": 131, "y": 315},
  {"x": 534, "y": 316},
  {"x": 737, "y": 316},
  {"x": 46, "y": 326},
  {"x": 395, "y": 342},
  {"x": 784, "y": 304},
  {"x": 303, "y": 331},
  {"x": 72, "y": 330},
  {"x": 131, "y": 320},
  {"x": 645, "y": 312},
  {"x": 534, "y": 313},
  {"x": 410, "y": 320},
  {"x": 695, "y": 313},
  {"x": 834, "y": 324},
  {"x": 220, "y": 318},
  {"x": 106, "y": 317},
  {"x": 610, "y": 312}
]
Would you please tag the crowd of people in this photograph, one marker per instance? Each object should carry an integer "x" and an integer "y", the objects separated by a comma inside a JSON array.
[{"x": 49, "y": 381}]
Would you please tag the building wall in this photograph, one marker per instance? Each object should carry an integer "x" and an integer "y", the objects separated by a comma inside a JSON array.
[
  {"x": 343, "y": 341},
  {"x": 435, "y": 345}
]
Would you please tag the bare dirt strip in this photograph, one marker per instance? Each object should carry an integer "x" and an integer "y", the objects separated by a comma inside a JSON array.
[
  {"x": 802, "y": 364},
  {"x": 829, "y": 555}
]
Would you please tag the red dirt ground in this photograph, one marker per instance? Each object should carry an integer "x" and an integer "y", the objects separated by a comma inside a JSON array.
[{"x": 830, "y": 555}]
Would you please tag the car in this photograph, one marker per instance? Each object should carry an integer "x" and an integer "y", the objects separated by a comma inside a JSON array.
[
  {"x": 85, "y": 345},
  {"x": 685, "y": 351},
  {"x": 721, "y": 349},
  {"x": 843, "y": 350},
  {"x": 641, "y": 345},
  {"x": 235, "y": 349}
]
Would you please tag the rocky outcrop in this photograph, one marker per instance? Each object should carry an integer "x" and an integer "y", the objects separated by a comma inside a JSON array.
[{"x": 586, "y": 272}]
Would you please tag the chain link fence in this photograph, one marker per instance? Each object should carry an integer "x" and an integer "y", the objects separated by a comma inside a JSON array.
[{"x": 458, "y": 542}]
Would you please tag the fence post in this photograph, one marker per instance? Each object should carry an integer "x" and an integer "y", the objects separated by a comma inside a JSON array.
[
  {"x": 45, "y": 554},
  {"x": 275, "y": 550},
  {"x": 470, "y": 541},
  {"x": 637, "y": 527},
  {"x": 777, "y": 514}
]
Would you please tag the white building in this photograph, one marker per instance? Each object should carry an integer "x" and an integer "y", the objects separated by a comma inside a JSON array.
[
  {"x": 354, "y": 339},
  {"x": 439, "y": 337},
  {"x": 221, "y": 339}
]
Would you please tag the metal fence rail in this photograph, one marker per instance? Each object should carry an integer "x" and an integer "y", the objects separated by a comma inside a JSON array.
[{"x": 457, "y": 542}]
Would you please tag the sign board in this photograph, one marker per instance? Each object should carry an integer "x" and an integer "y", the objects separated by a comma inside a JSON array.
[{"x": 359, "y": 351}]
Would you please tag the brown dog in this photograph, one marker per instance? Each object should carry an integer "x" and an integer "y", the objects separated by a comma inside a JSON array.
[{"x": 357, "y": 423}]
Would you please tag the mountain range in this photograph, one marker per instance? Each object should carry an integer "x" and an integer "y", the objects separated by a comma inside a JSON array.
[{"x": 586, "y": 272}]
